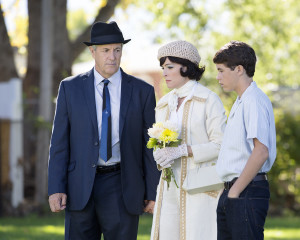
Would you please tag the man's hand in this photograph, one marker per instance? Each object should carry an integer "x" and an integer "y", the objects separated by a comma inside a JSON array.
[
  {"x": 57, "y": 202},
  {"x": 149, "y": 206}
]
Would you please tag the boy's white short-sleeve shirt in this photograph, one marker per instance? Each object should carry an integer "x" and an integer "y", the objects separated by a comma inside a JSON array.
[{"x": 251, "y": 116}]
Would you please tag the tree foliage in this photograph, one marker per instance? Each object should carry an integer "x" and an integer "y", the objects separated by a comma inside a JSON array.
[
  {"x": 7, "y": 66},
  {"x": 179, "y": 17},
  {"x": 285, "y": 174},
  {"x": 273, "y": 29}
]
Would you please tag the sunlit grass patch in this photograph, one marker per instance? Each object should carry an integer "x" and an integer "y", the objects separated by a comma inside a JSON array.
[
  {"x": 280, "y": 228},
  {"x": 52, "y": 229},
  {"x": 282, "y": 234}
]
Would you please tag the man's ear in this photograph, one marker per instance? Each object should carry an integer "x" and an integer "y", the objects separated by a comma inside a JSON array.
[{"x": 91, "y": 49}]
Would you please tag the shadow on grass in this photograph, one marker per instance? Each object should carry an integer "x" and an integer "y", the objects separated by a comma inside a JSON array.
[
  {"x": 33, "y": 228},
  {"x": 279, "y": 222}
]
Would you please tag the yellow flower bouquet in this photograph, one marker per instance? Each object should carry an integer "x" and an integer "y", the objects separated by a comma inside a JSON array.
[{"x": 164, "y": 134}]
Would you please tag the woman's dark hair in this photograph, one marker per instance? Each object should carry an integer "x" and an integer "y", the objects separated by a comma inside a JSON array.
[
  {"x": 237, "y": 53},
  {"x": 192, "y": 70}
]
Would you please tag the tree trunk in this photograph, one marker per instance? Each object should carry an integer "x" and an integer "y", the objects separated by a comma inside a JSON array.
[
  {"x": 61, "y": 56},
  {"x": 31, "y": 81},
  {"x": 31, "y": 91},
  {"x": 7, "y": 66},
  {"x": 45, "y": 106}
]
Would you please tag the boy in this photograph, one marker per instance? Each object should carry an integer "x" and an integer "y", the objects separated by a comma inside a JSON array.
[{"x": 248, "y": 148}]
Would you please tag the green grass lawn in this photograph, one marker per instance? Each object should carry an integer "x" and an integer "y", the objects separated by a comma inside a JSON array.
[
  {"x": 52, "y": 228},
  {"x": 282, "y": 228}
]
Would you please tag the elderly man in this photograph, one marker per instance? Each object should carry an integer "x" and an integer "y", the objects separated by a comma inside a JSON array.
[{"x": 100, "y": 169}]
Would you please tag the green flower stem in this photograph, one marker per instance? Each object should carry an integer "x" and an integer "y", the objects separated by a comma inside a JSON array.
[
  {"x": 172, "y": 174},
  {"x": 168, "y": 175}
]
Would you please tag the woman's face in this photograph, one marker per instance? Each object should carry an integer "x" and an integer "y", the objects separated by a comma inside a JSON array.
[{"x": 171, "y": 73}]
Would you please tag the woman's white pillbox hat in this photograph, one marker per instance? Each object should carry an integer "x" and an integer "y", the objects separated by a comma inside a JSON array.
[{"x": 180, "y": 49}]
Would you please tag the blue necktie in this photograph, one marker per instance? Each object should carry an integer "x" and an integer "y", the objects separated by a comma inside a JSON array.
[{"x": 105, "y": 145}]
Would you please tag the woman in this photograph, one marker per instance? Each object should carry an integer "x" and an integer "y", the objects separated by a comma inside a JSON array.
[{"x": 200, "y": 118}]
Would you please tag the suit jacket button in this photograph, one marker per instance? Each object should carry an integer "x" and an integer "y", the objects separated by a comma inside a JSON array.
[
  {"x": 96, "y": 143},
  {"x": 94, "y": 165}
]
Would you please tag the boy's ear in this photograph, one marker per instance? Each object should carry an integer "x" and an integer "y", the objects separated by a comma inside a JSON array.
[{"x": 240, "y": 69}]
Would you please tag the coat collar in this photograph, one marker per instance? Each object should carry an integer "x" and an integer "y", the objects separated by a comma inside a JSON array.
[
  {"x": 200, "y": 92},
  {"x": 126, "y": 91}
]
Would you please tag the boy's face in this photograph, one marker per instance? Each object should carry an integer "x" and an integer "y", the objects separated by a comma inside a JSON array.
[{"x": 227, "y": 78}]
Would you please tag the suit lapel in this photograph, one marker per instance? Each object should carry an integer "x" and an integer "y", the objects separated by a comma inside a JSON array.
[
  {"x": 126, "y": 91},
  {"x": 89, "y": 93}
]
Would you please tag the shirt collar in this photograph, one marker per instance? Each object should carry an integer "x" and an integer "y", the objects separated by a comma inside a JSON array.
[
  {"x": 114, "y": 79},
  {"x": 248, "y": 91}
]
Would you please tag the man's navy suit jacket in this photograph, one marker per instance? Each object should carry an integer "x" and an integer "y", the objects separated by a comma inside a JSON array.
[{"x": 74, "y": 148}]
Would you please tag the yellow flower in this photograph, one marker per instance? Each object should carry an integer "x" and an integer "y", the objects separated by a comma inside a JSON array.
[
  {"x": 168, "y": 136},
  {"x": 152, "y": 143},
  {"x": 164, "y": 134}
]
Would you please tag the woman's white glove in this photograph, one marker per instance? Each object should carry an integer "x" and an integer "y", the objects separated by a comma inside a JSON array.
[{"x": 166, "y": 156}]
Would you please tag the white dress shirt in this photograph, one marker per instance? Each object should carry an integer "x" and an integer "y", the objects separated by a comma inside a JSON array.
[
  {"x": 114, "y": 88},
  {"x": 251, "y": 116}
]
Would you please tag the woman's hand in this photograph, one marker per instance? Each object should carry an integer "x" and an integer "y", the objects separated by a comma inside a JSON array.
[{"x": 166, "y": 156}]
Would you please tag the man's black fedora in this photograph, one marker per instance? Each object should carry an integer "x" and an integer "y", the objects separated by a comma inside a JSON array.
[{"x": 106, "y": 33}]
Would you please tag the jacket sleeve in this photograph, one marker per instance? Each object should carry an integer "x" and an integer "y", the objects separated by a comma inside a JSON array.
[
  {"x": 215, "y": 124},
  {"x": 59, "y": 146},
  {"x": 151, "y": 173}
]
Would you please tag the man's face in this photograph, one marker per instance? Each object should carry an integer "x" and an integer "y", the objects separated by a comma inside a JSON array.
[
  {"x": 107, "y": 58},
  {"x": 227, "y": 78}
]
